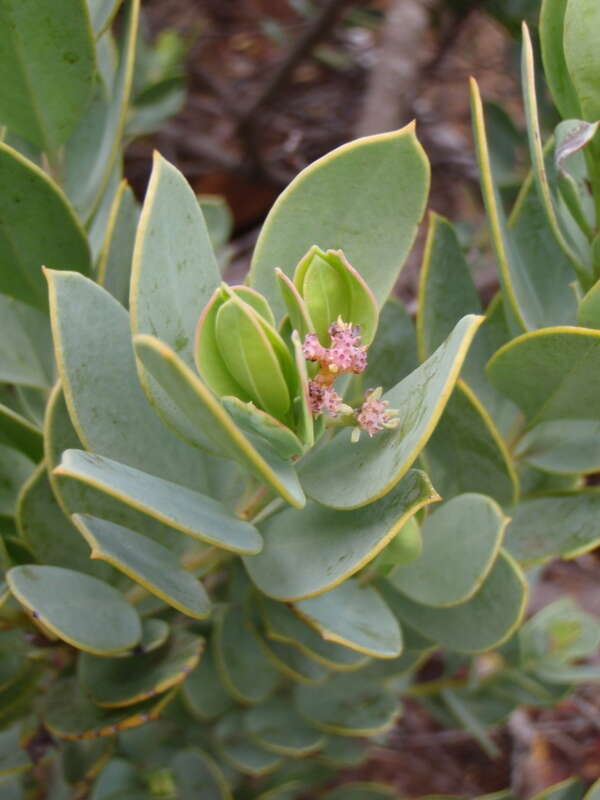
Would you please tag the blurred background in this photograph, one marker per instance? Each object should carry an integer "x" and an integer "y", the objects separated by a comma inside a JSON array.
[{"x": 244, "y": 94}]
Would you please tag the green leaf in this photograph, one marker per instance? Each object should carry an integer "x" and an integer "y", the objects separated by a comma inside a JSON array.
[
  {"x": 204, "y": 696},
  {"x": 255, "y": 422},
  {"x": 147, "y": 562},
  {"x": 183, "y": 509},
  {"x": 294, "y": 664},
  {"x": 201, "y": 407},
  {"x": 446, "y": 289},
  {"x": 344, "y": 751},
  {"x": 581, "y": 26},
  {"x": 13, "y": 657},
  {"x": 67, "y": 603},
  {"x": 95, "y": 145},
  {"x": 486, "y": 620},
  {"x": 345, "y": 475},
  {"x": 544, "y": 187},
  {"x": 347, "y": 704},
  {"x": 550, "y": 374},
  {"x": 218, "y": 217},
  {"x": 235, "y": 747},
  {"x": 198, "y": 777},
  {"x": 393, "y": 353},
  {"x": 277, "y": 727},
  {"x": 15, "y": 469},
  {"x": 114, "y": 260},
  {"x": 361, "y": 790},
  {"x": 13, "y": 757},
  {"x": 38, "y": 228},
  {"x": 563, "y": 446},
  {"x": 571, "y": 136},
  {"x": 48, "y": 65},
  {"x": 532, "y": 282},
  {"x": 18, "y": 432},
  {"x": 97, "y": 369},
  {"x": 46, "y": 530},
  {"x": 284, "y": 625},
  {"x": 467, "y": 453},
  {"x": 102, "y": 13},
  {"x": 551, "y": 28},
  {"x": 354, "y": 616},
  {"x": 311, "y": 551},
  {"x": 25, "y": 345},
  {"x": 72, "y": 495},
  {"x": 243, "y": 667},
  {"x": 174, "y": 273},
  {"x": 371, "y": 195},
  {"x": 561, "y": 525},
  {"x": 406, "y": 545},
  {"x": 569, "y": 789},
  {"x": 69, "y": 714},
  {"x": 461, "y": 540},
  {"x": 588, "y": 312},
  {"x": 118, "y": 682}
]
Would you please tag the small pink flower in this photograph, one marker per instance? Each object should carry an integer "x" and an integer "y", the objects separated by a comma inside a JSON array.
[
  {"x": 323, "y": 398},
  {"x": 313, "y": 349},
  {"x": 374, "y": 415}
]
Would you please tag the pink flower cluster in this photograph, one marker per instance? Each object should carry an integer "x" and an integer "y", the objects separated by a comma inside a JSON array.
[
  {"x": 374, "y": 415},
  {"x": 345, "y": 353},
  {"x": 323, "y": 398}
]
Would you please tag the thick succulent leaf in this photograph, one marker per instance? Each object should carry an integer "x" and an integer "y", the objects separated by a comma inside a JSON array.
[
  {"x": 46, "y": 530},
  {"x": 569, "y": 789},
  {"x": 16, "y": 431},
  {"x": 118, "y": 682},
  {"x": 537, "y": 154},
  {"x": 348, "y": 705},
  {"x": 13, "y": 757},
  {"x": 361, "y": 790},
  {"x": 550, "y": 374},
  {"x": 25, "y": 345},
  {"x": 97, "y": 369},
  {"x": 258, "y": 423},
  {"x": 276, "y": 726},
  {"x": 492, "y": 334},
  {"x": 374, "y": 222},
  {"x": 354, "y": 616},
  {"x": 446, "y": 289},
  {"x": 466, "y": 452},
  {"x": 174, "y": 274},
  {"x": 238, "y": 750},
  {"x": 581, "y": 26},
  {"x": 535, "y": 483},
  {"x": 311, "y": 551},
  {"x": 404, "y": 547},
  {"x": 344, "y": 751},
  {"x": 557, "y": 76},
  {"x": 294, "y": 664},
  {"x": 207, "y": 414},
  {"x": 97, "y": 226},
  {"x": 48, "y": 65},
  {"x": 571, "y": 136},
  {"x": 533, "y": 284},
  {"x": 74, "y": 496},
  {"x": 561, "y": 525},
  {"x": 204, "y": 696},
  {"x": 219, "y": 219},
  {"x": 183, "y": 509},
  {"x": 67, "y": 602},
  {"x": 588, "y": 311},
  {"x": 114, "y": 261},
  {"x": 345, "y": 475},
  {"x": 393, "y": 353},
  {"x": 15, "y": 469},
  {"x": 155, "y": 633},
  {"x": 283, "y": 625},
  {"x": 486, "y": 620},
  {"x": 243, "y": 667},
  {"x": 199, "y": 777},
  {"x": 94, "y": 146},
  {"x": 461, "y": 541},
  {"x": 563, "y": 446},
  {"x": 13, "y": 657},
  {"x": 102, "y": 13},
  {"x": 70, "y": 714},
  {"x": 38, "y": 228},
  {"x": 147, "y": 562}
]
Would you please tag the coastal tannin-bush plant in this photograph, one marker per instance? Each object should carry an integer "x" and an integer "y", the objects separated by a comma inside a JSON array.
[{"x": 236, "y": 519}]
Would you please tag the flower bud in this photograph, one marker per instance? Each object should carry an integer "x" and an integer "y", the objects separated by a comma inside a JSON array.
[
  {"x": 239, "y": 352},
  {"x": 330, "y": 289}
]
